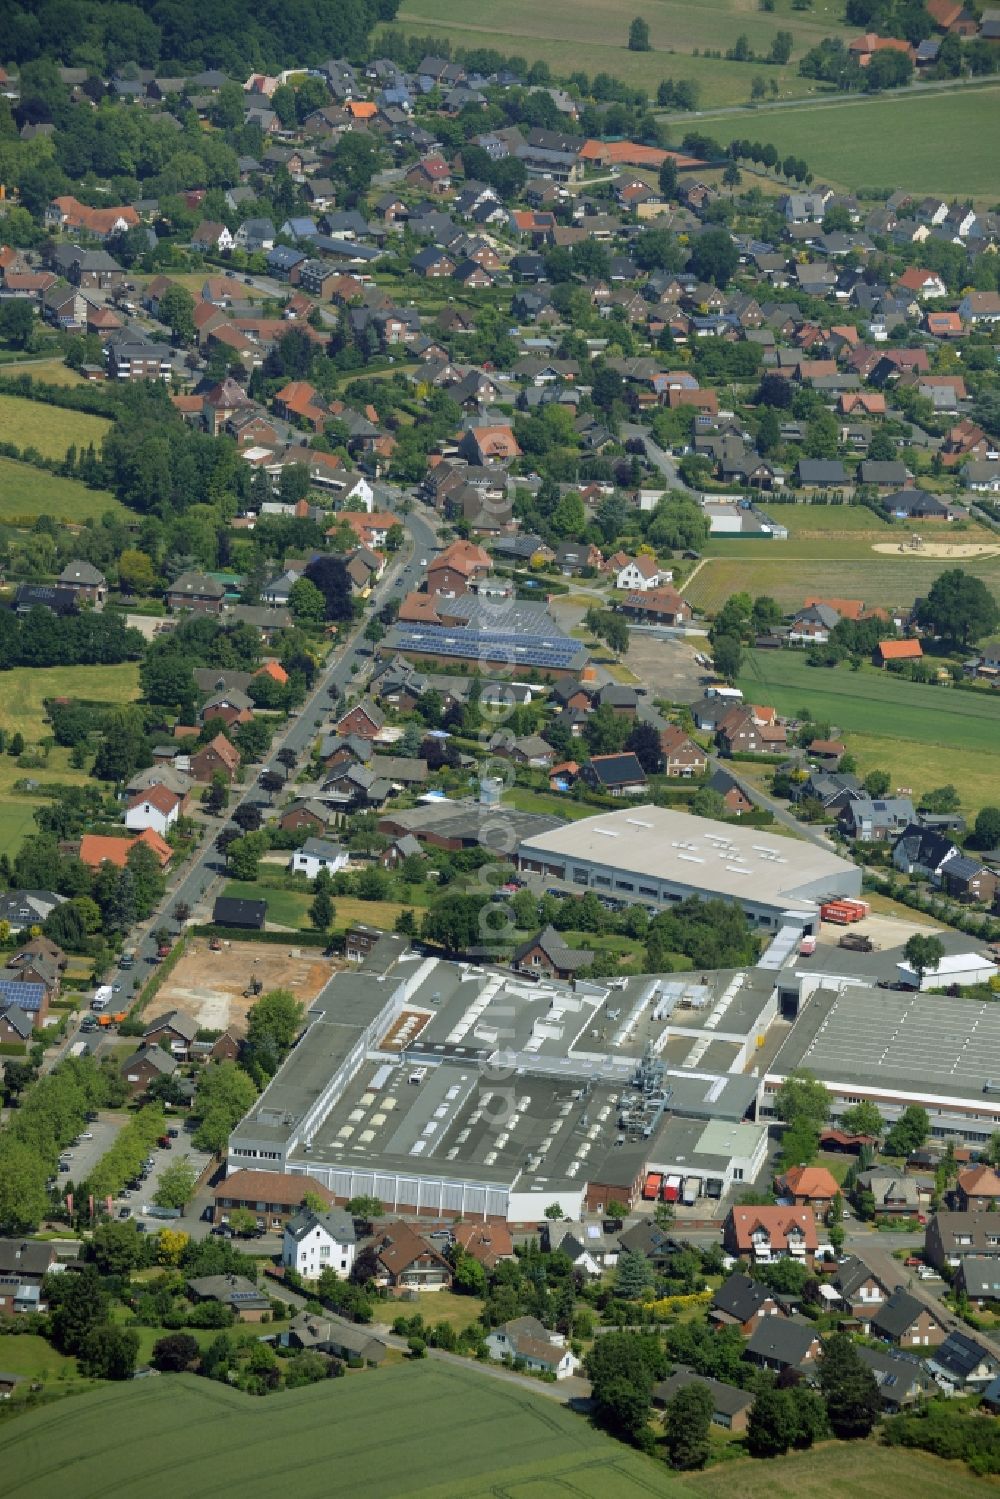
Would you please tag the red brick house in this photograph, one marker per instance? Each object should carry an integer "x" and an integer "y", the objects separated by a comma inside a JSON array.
[
  {"x": 365, "y": 719},
  {"x": 451, "y": 572},
  {"x": 743, "y": 1303},
  {"x": 218, "y": 757},
  {"x": 681, "y": 755},
  {"x": 977, "y": 1190},
  {"x": 145, "y": 1066},
  {"x": 272, "y": 1197},
  {"x": 808, "y": 1186}
]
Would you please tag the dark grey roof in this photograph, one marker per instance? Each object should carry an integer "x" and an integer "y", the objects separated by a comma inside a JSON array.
[
  {"x": 555, "y": 949},
  {"x": 740, "y": 1297},
  {"x": 898, "y": 1314},
  {"x": 726, "y": 1398},
  {"x": 959, "y": 1355},
  {"x": 781, "y": 1339},
  {"x": 231, "y": 912},
  {"x": 335, "y": 1221}
]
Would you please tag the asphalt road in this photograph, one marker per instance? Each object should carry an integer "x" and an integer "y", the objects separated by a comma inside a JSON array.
[{"x": 660, "y": 460}]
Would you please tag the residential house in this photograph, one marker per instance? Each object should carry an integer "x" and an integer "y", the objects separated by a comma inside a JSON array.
[
  {"x": 640, "y": 573},
  {"x": 902, "y": 1378},
  {"x": 195, "y": 591},
  {"x": 84, "y": 582},
  {"x": 157, "y": 808},
  {"x": 489, "y": 1243},
  {"x": 407, "y": 1261},
  {"x": 364, "y": 719},
  {"x": 526, "y": 1343},
  {"x": 950, "y": 1237},
  {"x": 923, "y": 851},
  {"x": 681, "y": 755},
  {"x": 808, "y": 1186},
  {"x": 907, "y": 1322},
  {"x": 218, "y": 757},
  {"x": 889, "y": 651},
  {"x": 272, "y": 1197},
  {"x": 893, "y": 1195},
  {"x": 244, "y": 1299},
  {"x": 977, "y": 1190},
  {"x": 248, "y": 915},
  {"x": 616, "y": 775},
  {"x": 970, "y": 881},
  {"x": 764, "y": 1234},
  {"x": 335, "y": 1336},
  {"x": 661, "y": 606},
  {"x": 316, "y": 854},
  {"x": 961, "y": 1365},
  {"x": 96, "y": 849},
  {"x": 730, "y": 1406},
  {"x": 783, "y": 1343},
  {"x": 548, "y": 954},
  {"x": 174, "y": 1031},
  {"x": 145, "y": 1065},
  {"x": 591, "y": 1249},
  {"x": 860, "y": 1289},
  {"x": 875, "y": 820},
  {"x": 24, "y": 1264},
  {"x": 743, "y": 1303},
  {"x": 314, "y": 1242}
]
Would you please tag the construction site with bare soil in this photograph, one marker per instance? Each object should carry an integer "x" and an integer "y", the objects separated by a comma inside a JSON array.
[{"x": 216, "y": 986}]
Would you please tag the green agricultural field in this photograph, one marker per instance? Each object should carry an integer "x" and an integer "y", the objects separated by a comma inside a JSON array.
[
  {"x": 17, "y": 822},
  {"x": 923, "y": 736},
  {"x": 426, "y": 1431},
  {"x": 49, "y": 429},
  {"x": 861, "y": 1469},
  {"x": 27, "y": 492},
  {"x": 939, "y": 143},
  {"x": 598, "y": 30},
  {"x": 24, "y": 690},
  {"x": 774, "y": 568}
]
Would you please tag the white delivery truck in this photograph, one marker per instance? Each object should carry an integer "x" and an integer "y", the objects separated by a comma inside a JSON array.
[{"x": 102, "y": 998}]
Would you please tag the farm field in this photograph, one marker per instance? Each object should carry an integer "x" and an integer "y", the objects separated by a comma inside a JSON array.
[
  {"x": 50, "y": 429},
  {"x": 878, "y": 578},
  {"x": 599, "y": 30},
  {"x": 871, "y": 701},
  {"x": 858, "y": 1468},
  {"x": 453, "y": 1433},
  {"x": 49, "y": 371},
  {"x": 924, "y": 736},
  {"x": 906, "y": 141},
  {"x": 27, "y": 492},
  {"x": 23, "y": 692}
]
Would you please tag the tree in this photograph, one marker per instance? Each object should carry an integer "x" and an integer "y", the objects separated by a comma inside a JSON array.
[
  {"x": 809, "y": 1413},
  {"x": 638, "y": 36},
  {"x": 17, "y": 323},
  {"x": 277, "y": 1015},
  {"x": 863, "y": 1119},
  {"x": 909, "y": 1132},
  {"x": 849, "y": 1389},
  {"x": 771, "y": 1426},
  {"x": 170, "y": 1245},
  {"x": 986, "y": 833},
  {"x": 802, "y": 1096},
  {"x": 923, "y": 954},
  {"x": 117, "y": 1248},
  {"x": 687, "y": 1424},
  {"x": 225, "y": 1093},
  {"x": 306, "y": 602},
  {"x": 644, "y": 742},
  {"x": 714, "y": 257},
  {"x": 877, "y": 782},
  {"x": 330, "y": 575},
  {"x": 959, "y": 607},
  {"x": 469, "y": 1277},
  {"x": 727, "y": 654},
  {"x": 321, "y": 911},
  {"x": 454, "y": 922},
  {"x": 177, "y": 311},
  {"x": 109, "y": 1352},
  {"x": 176, "y": 1185},
  {"x": 633, "y": 1276},
  {"x": 306, "y": 1368},
  {"x": 23, "y": 1198},
  {"x": 668, "y": 178},
  {"x": 175, "y": 1353},
  {"x": 365, "y": 1207}
]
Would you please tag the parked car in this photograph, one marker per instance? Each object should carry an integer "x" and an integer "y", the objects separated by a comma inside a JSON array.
[{"x": 125, "y": 1212}]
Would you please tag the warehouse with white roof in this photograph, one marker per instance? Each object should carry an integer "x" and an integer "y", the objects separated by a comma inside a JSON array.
[{"x": 656, "y": 857}]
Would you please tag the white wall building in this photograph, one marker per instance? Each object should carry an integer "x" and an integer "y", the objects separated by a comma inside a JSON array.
[
  {"x": 316, "y": 854},
  {"x": 314, "y": 1242}
]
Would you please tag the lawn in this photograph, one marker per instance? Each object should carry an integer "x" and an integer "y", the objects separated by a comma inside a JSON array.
[
  {"x": 26, "y": 492},
  {"x": 598, "y": 30},
  {"x": 788, "y": 571},
  {"x": 35, "y": 1358},
  {"x": 50, "y": 429},
  {"x": 291, "y": 907},
  {"x": 453, "y": 1433},
  {"x": 548, "y": 804},
  {"x": 927, "y": 142}
]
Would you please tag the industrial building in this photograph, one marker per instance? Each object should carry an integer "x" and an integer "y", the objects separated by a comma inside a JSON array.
[
  {"x": 896, "y": 1049},
  {"x": 651, "y": 856},
  {"x": 447, "y": 1088}
]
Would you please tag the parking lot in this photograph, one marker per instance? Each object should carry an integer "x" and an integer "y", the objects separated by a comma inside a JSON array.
[
  {"x": 181, "y": 1148},
  {"x": 84, "y": 1157}
]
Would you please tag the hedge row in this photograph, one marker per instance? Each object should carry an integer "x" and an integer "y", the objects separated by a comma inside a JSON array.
[{"x": 280, "y": 939}]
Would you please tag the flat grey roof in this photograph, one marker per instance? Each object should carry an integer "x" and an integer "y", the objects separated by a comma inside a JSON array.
[
  {"x": 742, "y": 863},
  {"x": 914, "y": 1044}
]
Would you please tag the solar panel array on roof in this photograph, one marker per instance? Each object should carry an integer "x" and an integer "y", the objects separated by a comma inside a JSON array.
[
  {"x": 533, "y": 650},
  {"x": 27, "y": 997}
]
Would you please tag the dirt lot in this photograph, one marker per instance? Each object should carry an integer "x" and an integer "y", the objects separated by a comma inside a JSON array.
[
  {"x": 938, "y": 549},
  {"x": 209, "y": 985},
  {"x": 667, "y": 667}
]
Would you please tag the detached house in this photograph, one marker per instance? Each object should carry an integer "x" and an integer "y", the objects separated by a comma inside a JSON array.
[
  {"x": 681, "y": 755},
  {"x": 525, "y": 1342},
  {"x": 218, "y": 757},
  {"x": 640, "y": 573},
  {"x": 314, "y": 1242},
  {"x": 407, "y": 1261},
  {"x": 764, "y": 1234},
  {"x": 548, "y": 954},
  {"x": 859, "y": 1289},
  {"x": 157, "y": 808},
  {"x": 781, "y": 1343},
  {"x": 743, "y": 1303},
  {"x": 907, "y": 1322}
]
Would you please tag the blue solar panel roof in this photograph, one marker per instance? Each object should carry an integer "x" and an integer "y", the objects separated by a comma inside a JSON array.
[
  {"x": 533, "y": 650},
  {"x": 27, "y": 997}
]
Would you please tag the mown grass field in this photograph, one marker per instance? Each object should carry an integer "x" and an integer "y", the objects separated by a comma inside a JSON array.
[
  {"x": 872, "y": 701},
  {"x": 50, "y": 429},
  {"x": 49, "y": 371},
  {"x": 857, "y": 1468},
  {"x": 929, "y": 142},
  {"x": 421, "y": 1430},
  {"x": 27, "y": 492},
  {"x": 24, "y": 690},
  {"x": 291, "y": 907},
  {"x": 598, "y": 30},
  {"x": 775, "y": 569}
]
